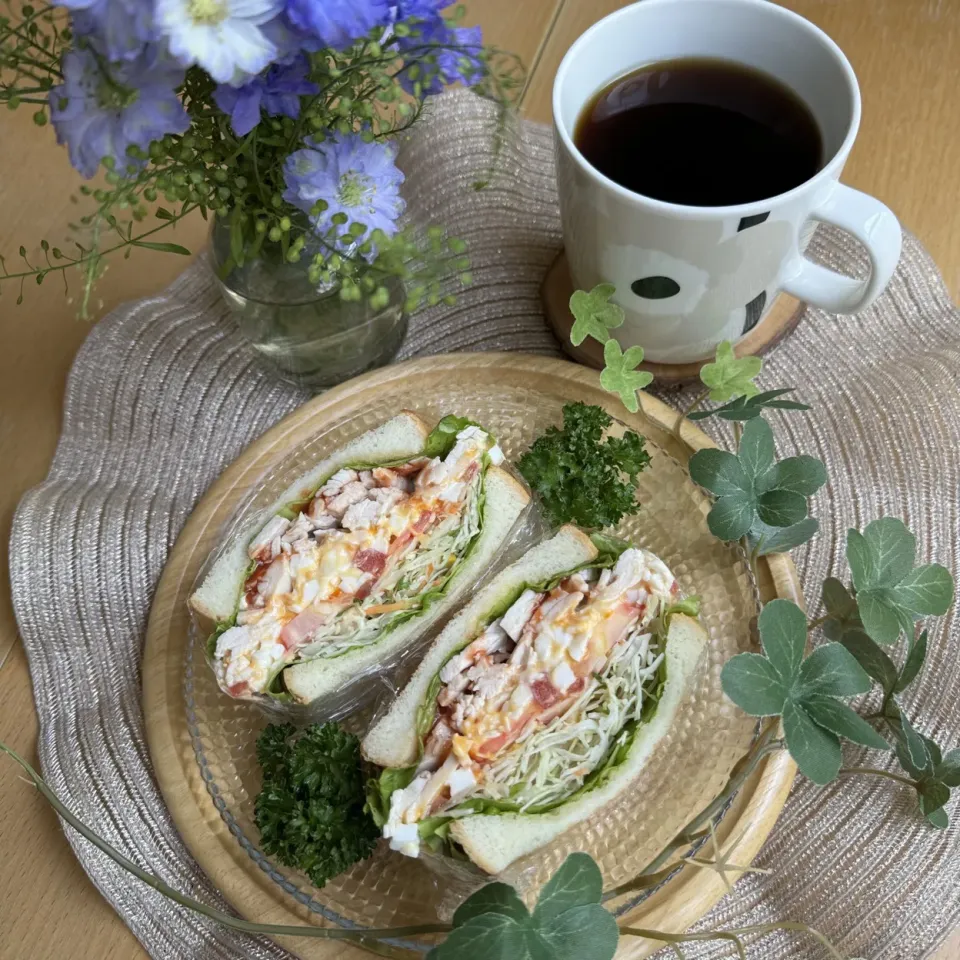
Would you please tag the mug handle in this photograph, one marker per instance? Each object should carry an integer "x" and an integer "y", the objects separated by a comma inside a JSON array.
[{"x": 875, "y": 226}]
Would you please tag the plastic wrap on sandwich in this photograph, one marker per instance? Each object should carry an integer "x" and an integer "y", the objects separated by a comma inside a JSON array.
[
  {"x": 344, "y": 574},
  {"x": 533, "y": 707}
]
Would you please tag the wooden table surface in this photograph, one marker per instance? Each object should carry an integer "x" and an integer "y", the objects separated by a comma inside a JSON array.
[{"x": 907, "y": 56}]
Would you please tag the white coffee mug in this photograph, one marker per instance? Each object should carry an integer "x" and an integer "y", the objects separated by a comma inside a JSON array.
[{"x": 723, "y": 265}]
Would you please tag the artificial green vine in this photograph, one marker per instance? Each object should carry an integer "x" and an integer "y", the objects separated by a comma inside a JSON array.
[{"x": 763, "y": 503}]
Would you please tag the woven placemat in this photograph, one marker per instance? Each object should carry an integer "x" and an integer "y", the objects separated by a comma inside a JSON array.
[{"x": 164, "y": 394}]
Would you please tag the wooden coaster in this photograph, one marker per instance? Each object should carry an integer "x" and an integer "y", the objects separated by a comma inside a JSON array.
[{"x": 557, "y": 288}]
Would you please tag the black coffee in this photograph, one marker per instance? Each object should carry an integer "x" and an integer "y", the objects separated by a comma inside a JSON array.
[{"x": 700, "y": 132}]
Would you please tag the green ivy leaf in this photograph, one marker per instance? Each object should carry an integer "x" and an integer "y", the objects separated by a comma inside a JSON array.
[
  {"x": 873, "y": 660},
  {"x": 588, "y": 931},
  {"x": 781, "y": 508},
  {"x": 620, "y": 375},
  {"x": 912, "y": 750},
  {"x": 731, "y": 518},
  {"x": 593, "y": 314},
  {"x": 783, "y": 631},
  {"x": 831, "y": 671},
  {"x": 817, "y": 751},
  {"x": 933, "y": 752},
  {"x": 920, "y": 757},
  {"x": 755, "y": 493},
  {"x": 721, "y": 473},
  {"x": 802, "y": 691},
  {"x": 766, "y": 539},
  {"x": 913, "y": 664},
  {"x": 746, "y": 408},
  {"x": 948, "y": 769},
  {"x": 492, "y": 936},
  {"x": 804, "y": 475},
  {"x": 499, "y": 898},
  {"x": 568, "y": 922},
  {"x": 729, "y": 377},
  {"x": 838, "y": 718},
  {"x": 576, "y": 883},
  {"x": 928, "y": 590},
  {"x": 933, "y": 795},
  {"x": 880, "y": 616},
  {"x": 757, "y": 452},
  {"x": 753, "y": 684},
  {"x": 842, "y": 609},
  {"x": 890, "y": 593}
]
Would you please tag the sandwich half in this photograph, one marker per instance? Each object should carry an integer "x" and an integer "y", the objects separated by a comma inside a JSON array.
[
  {"x": 355, "y": 561},
  {"x": 537, "y": 705}
]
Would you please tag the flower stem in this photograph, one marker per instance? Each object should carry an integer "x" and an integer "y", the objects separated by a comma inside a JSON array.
[
  {"x": 737, "y": 433},
  {"x": 813, "y": 624},
  {"x": 693, "y": 405},
  {"x": 95, "y": 254},
  {"x": 235, "y": 923},
  {"x": 735, "y": 936},
  {"x": 874, "y": 772}
]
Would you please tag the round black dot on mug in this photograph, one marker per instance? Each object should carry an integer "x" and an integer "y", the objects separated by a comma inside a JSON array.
[{"x": 655, "y": 288}]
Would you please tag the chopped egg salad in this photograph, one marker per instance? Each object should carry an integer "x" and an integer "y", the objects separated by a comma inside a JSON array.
[
  {"x": 366, "y": 552},
  {"x": 542, "y": 701}
]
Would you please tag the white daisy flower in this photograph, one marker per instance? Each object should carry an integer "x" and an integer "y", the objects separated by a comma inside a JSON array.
[{"x": 222, "y": 36}]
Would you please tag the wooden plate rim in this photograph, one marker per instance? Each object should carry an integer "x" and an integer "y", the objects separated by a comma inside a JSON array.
[{"x": 251, "y": 892}]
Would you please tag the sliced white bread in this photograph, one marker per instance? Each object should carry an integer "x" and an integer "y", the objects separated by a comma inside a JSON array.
[
  {"x": 504, "y": 500},
  {"x": 392, "y": 741},
  {"x": 400, "y": 437},
  {"x": 494, "y": 842}
]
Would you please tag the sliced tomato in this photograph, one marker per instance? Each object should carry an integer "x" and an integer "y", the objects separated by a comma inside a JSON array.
[
  {"x": 490, "y": 748},
  {"x": 401, "y": 541},
  {"x": 423, "y": 521}
]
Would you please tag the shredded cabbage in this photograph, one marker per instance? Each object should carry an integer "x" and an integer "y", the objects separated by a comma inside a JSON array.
[
  {"x": 550, "y": 763},
  {"x": 425, "y": 569}
]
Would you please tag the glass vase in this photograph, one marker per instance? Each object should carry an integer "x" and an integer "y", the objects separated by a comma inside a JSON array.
[{"x": 304, "y": 332}]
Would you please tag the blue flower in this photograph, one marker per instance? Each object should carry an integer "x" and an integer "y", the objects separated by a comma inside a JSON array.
[
  {"x": 222, "y": 36},
  {"x": 102, "y": 109},
  {"x": 278, "y": 92},
  {"x": 338, "y": 23},
  {"x": 288, "y": 40},
  {"x": 117, "y": 28},
  {"x": 456, "y": 56},
  {"x": 420, "y": 9},
  {"x": 354, "y": 177}
]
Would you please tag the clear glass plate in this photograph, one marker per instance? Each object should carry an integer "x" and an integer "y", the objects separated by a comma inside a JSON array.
[{"x": 689, "y": 767}]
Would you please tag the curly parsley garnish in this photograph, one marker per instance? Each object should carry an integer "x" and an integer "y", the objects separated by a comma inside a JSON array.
[
  {"x": 580, "y": 476},
  {"x": 310, "y": 809}
]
